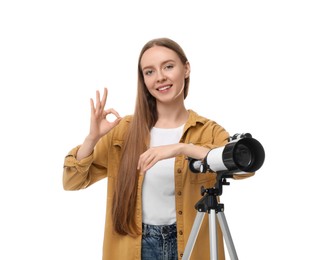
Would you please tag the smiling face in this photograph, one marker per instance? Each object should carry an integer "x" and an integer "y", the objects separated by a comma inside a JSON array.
[{"x": 164, "y": 74}]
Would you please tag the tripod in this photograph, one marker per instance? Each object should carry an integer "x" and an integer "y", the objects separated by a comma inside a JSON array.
[{"x": 209, "y": 204}]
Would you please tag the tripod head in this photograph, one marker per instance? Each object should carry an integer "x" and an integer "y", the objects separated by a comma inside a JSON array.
[
  {"x": 210, "y": 200},
  {"x": 220, "y": 181}
]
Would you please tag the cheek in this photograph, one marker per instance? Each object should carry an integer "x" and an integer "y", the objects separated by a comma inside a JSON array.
[
  {"x": 179, "y": 79},
  {"x": 148, "y": 82}
]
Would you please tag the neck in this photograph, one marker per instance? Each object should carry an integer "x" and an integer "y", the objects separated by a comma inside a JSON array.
[{"x": 171, "y": 117}]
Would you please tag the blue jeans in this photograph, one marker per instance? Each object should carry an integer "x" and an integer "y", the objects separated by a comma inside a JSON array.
[{"x": 159, "y": 242}]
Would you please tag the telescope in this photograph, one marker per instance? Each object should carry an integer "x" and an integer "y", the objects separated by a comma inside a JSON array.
[{"x": 241, "y": 154}]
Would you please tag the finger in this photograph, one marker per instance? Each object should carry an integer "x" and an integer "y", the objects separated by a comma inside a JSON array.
[
  {"x": 113, "y": 112},
  {"x": 92, "y": 106},
  {"x": 98, "y": 105},
  {"x": 104, "y": 99},
  {"x": 142, "y": 159},
  {"x": 116, "y": 122},
  {"x": 148, "y": 162}
]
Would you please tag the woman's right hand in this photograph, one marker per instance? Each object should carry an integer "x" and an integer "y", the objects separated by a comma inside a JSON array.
[{"x": 99, "y": 124}]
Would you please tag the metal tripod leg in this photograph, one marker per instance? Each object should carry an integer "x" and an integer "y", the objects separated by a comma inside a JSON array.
[
  {"x": 193, "y": 235},
  {"x": 213, "y": 235},
  {"x": 227, "y": 235}
]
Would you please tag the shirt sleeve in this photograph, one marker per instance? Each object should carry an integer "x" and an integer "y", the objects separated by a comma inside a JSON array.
[{"x": 83, "y": 173}]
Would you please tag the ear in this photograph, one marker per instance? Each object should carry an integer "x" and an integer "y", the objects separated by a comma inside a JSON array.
[{"x": 187, "y": 69}]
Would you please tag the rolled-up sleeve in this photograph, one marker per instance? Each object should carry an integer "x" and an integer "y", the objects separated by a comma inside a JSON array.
[
  {"x": 83, "y": 173},
  {"x": 82, "y": 166},
  {"x": 76, "y": 173}
]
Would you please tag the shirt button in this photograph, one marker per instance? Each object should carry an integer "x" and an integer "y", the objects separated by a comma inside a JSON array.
[
  {"x": 180, "y": 232},
  {"x": 179, "y": 170},
  {"x": 180, "y": 212},
  {"x": 179, "y": 193}
]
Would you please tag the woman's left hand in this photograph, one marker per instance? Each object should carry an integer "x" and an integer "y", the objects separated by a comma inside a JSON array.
[{"x": 154, "y": 154}]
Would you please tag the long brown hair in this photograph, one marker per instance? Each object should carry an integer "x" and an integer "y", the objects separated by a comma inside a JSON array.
[{"x": 137, "y": 142}]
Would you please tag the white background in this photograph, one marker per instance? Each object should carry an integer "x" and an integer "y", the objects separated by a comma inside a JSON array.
[{"x": 255, "y": 68}]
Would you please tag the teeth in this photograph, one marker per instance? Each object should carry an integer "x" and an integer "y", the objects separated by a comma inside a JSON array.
[{"x": 163, "y": 88}]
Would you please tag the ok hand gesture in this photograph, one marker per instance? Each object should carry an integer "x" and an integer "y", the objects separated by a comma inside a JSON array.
[{"x": 99, "y": 124}]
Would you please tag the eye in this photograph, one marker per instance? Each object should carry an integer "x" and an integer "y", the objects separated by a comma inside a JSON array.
[
  {"x": 148, "y": 72},
  {"x": 169, "y": 66}
]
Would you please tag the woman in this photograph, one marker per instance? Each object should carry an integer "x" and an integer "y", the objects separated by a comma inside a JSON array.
[{"x": 151, "y": 191}]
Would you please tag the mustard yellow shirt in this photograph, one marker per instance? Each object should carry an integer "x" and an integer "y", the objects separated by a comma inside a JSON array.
[{"x": 104, "y": 162}]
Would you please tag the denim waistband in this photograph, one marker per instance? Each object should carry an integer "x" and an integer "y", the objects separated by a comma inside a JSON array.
[{"x": 159, "y": 230}]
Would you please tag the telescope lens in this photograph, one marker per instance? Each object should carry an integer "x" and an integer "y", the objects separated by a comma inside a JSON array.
[
  {"x": 246, "y": 155},
  {"x": 242, "y": 156}
]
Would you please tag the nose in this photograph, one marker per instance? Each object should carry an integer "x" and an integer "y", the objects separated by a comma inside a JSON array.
[{"x": 161, "y": 76}]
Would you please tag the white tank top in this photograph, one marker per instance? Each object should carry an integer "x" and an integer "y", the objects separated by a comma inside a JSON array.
[{"x": 158, "y": 197}]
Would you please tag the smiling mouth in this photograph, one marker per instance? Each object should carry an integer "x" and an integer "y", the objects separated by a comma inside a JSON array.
[{"x": 164, "y": 88}]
